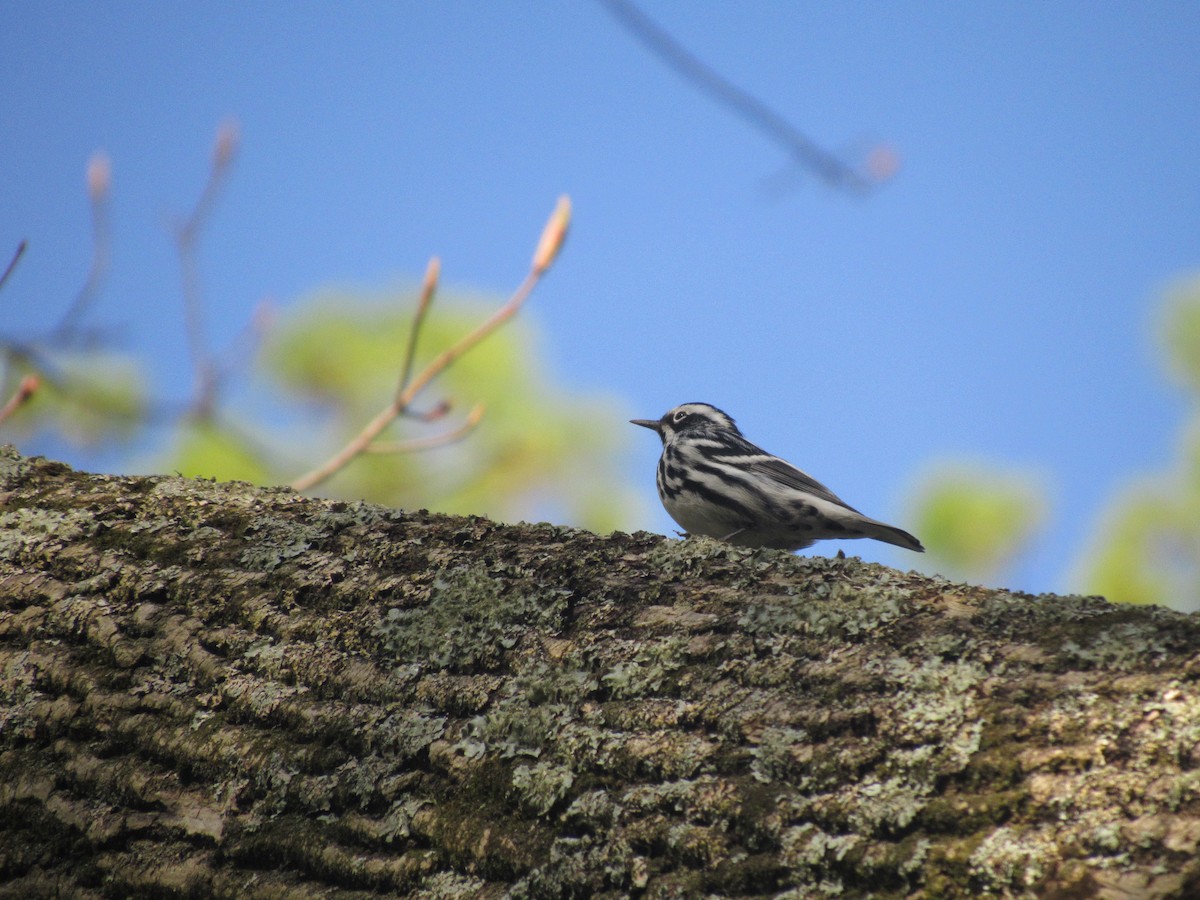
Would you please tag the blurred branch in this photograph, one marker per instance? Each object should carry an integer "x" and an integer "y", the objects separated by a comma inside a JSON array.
[
  {"x": 437, "y": 440},
  {"x": 32, "y": 353},
  {"x": 433, "y": 272},
  {"x": 829, "y": 167},
  {"x": 246, "y": 343},
  {"x": 29, "y": 384},
  {"x": 548, "y": 247},
  {"x": 186, "y": 236},
  {"x": 430, "y": 415},
  {"x": 99, "y": 183},
  {"x": 8, "y": 270}
]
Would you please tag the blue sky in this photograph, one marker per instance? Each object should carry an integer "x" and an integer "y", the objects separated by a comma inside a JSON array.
[{"x": 994, "y": 302}]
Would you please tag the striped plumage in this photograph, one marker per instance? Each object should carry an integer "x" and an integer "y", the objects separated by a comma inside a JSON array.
[{"x": 714, "y": 482}]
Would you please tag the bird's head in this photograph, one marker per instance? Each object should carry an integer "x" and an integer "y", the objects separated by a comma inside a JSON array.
[{"x": 687, "y": 418}]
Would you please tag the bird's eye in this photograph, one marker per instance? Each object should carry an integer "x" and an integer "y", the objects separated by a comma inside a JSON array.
[{"x": 680, "y": 415}]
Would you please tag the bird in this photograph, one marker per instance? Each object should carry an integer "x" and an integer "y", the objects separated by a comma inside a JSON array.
[{"x": 714, "y": 482}]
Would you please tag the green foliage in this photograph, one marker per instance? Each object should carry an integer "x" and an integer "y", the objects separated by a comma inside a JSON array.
[
  {"x": 206, "y": 447},
  {"x": 1180, "y": 333},
  {"x": 85, "y": 398},
  {"x": 538, "y": 453},
  {"x": 1147, "y": 546},
  {"x": 1124, "y": 565},
  {"x": 975, "y": 519}
]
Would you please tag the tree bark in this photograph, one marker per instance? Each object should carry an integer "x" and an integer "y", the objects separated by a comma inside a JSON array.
[{"x": 219, "y": 690}]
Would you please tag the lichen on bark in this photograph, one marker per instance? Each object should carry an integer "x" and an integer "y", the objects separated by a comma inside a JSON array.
[{"x": 215, "y": 689}]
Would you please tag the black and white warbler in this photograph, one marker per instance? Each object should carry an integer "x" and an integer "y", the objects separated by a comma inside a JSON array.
[{"x": 714, "y": 482}]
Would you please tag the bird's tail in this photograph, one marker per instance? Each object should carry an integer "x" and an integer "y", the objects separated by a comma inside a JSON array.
[{"x": 890, "y": 534}]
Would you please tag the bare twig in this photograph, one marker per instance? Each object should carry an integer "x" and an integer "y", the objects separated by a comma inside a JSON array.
[
  {"x": 246, "y": 343},
  {"x": 224, "y": 152},
  {"x": 548, "y": 246},
  {"x": 99, "y": 182},
  {"x": 428, "y": 289},
  {"x": 437, "y": 440},
  {"x": 186, "y": 235},
  {"x": 826, "y": 165},
  {"x": 29, "y": 384},
  {"x": 430, "y": 415},
  {"x": 8, "y": 270}
]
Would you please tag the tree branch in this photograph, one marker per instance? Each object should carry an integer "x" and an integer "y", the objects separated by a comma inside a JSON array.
[
  {"x": 25, "y": 390},
  {"x": 99, "y": 182},
  {"x": 551, "y": 241},
  {"x": 437, "y": 440},
  {"x": 12, "y": 263},
  {"x": 215, "y": 689},
  {"x": 186, "y": 236},
  {"x": 829, "y": 167},
  {"x": 428, "y": 288}
]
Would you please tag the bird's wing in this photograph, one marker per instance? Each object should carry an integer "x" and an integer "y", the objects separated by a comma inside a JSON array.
[
  {"x": 758, "y": 460},
  {"x": 788, "y": 474}
]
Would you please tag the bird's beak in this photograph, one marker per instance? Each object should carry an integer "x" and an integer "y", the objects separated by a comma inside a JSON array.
[{"x": 652, "y": 424}]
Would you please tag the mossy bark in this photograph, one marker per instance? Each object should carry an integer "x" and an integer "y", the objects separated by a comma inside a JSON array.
[{"x": 213, "y": 689}]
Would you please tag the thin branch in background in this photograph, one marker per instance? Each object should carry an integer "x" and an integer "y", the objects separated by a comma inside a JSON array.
[
  {"x": 429, "y": 285},
  {"x": 440, "y": 411},
  {"x": 186, "y": 236},
  {"x": 26, "y": 354},
  {"x": 26, "y": 389},
  {"x": 99, "y": 184},
  {"x": 12, "y": 264},
  {"x": 433, "y": 272},
  {"x": 243, "y": 347},
  {"x": 33, "y": 352},
  {"x": 549, "y": 245},
  {"x": 437, "y": 440},
  {"x": 831, "y": 168}
]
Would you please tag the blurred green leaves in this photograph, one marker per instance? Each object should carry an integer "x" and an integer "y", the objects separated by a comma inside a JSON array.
[
  {"x": 85, "y": 398},
  {"x": 217, "y": 449},
  {"x": 325, "y": 368},
  {"x": 1179, "y": 333},
  {"x": 333, "y": 366},
  {"x": 538, "y": 452},
  {"x": 1147, "y": 545},
  {"x": 975, "y": 519}
]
